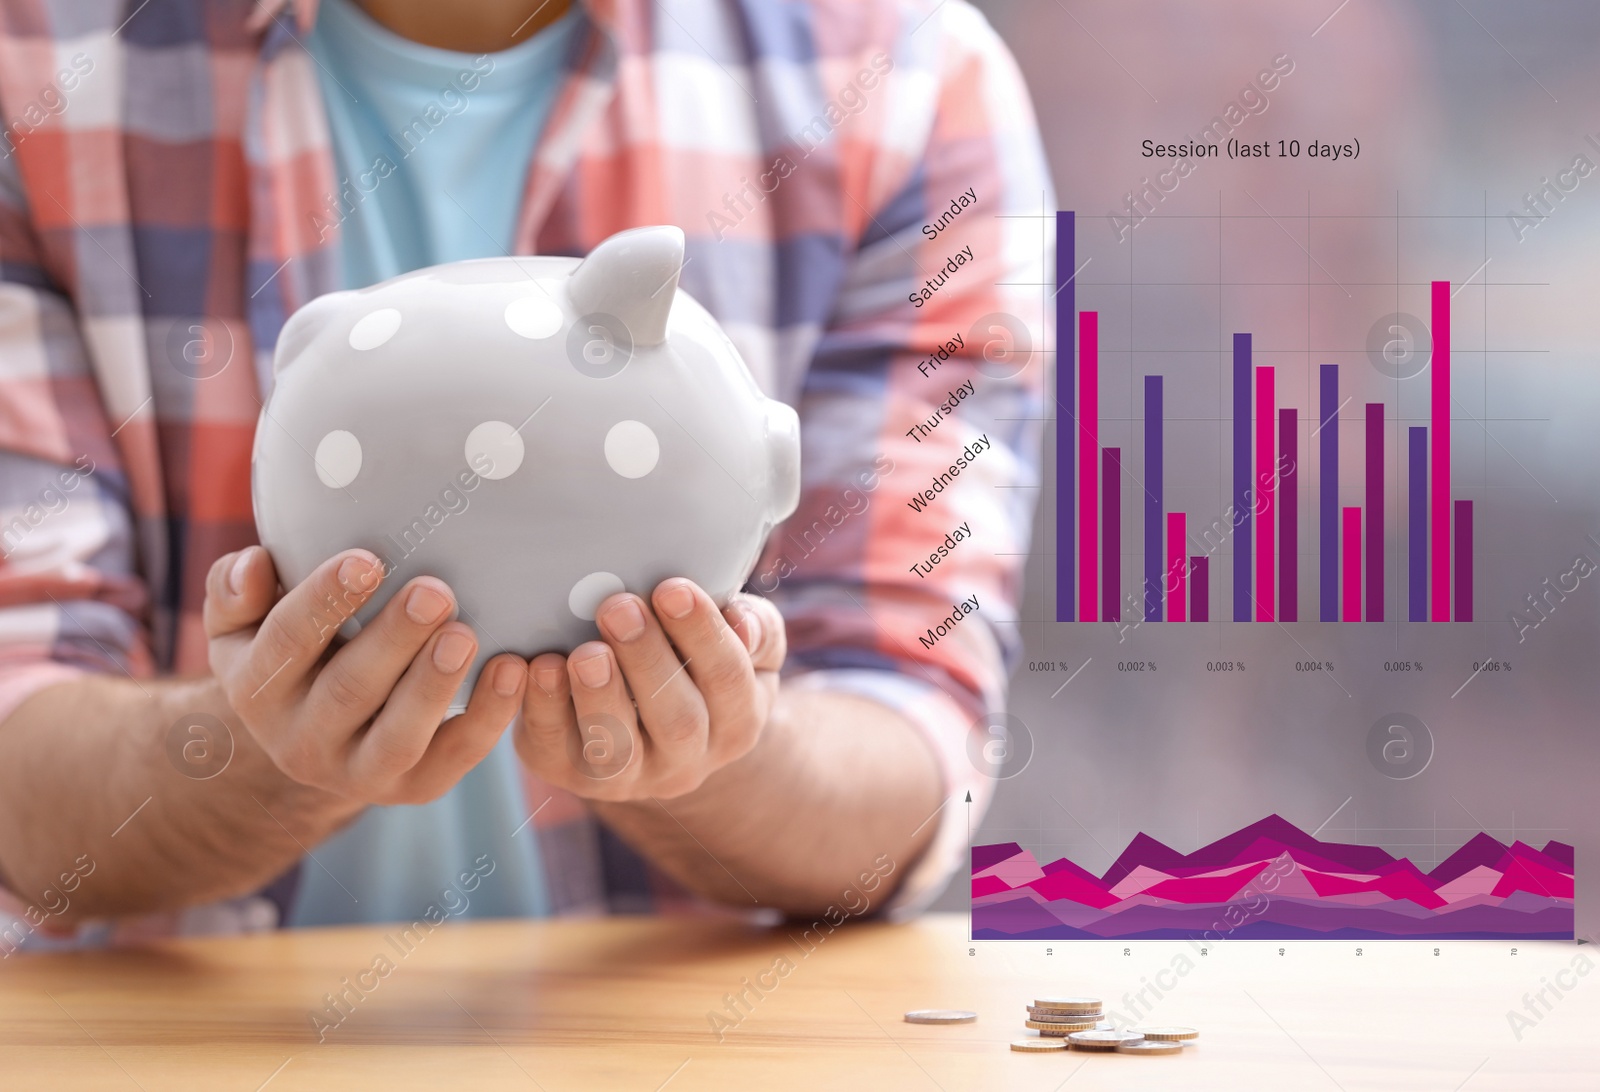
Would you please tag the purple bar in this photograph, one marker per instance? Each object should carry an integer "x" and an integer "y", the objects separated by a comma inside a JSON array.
[
  {"x": 1153, "y": 503},
  {"x": 1243, "y": 494},
  {"x": 1111, "y": 534},
  {"x": 1417, "y": 526},
  {"x": 1288, "y": 516},
  {"x": 1066, "y": 420},
  {"x": 1374, "y": 506},
  {"x": 1328, "y": 510},
  {"x": 1199, "y": 589},
  {"x": 1463, "y": 561}
]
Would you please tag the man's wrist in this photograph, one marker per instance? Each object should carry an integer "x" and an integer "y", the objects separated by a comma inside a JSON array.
[
  {"x": 725, "y": 790},
  {"x": 305, "y": 811}
]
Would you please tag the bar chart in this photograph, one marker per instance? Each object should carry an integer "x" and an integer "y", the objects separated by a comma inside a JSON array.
[{"x": 1258, "y": 533}]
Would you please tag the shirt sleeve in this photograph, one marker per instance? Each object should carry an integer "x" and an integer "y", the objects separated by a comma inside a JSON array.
[
  {"x": 899, "y": 574},
  {"x": 70, "y": 601}
]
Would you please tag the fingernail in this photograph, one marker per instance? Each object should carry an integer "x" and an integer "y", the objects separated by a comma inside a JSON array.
[
  {"x": 354, "y": 573},
  {"x": 450, "y": 652},
  {"x": 424, "y": 606},
  {"x": 507, "y": 678},
  {"x": 593, "y": 671},
  {"x": 624, "y": 620},
  {"x": 548, "y": 678},
  {"x": 752, "y": 630},
  {"x": 677, "y": 601},
  {"x": 236, "y": 571}
]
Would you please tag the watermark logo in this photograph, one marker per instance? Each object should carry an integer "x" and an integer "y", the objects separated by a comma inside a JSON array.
[
  {"x": 1141, "y": 202},
  {"x": 1537, "y": 1004},
  {"x": 1399, "y": 746},
  {"x": 999, "y": 746},
  {"x": 51, "y": 102},
  {"x": 1541, "y": 202},
  {"x": 798, "y": 542},
  {"x": 1399, "y": 345},
  {"x": 199, "y": 347},
  {"x": 599, "y": 345},
  {"x": 602, "y": 747},
  {"x": 1543, "y": 603},
  {"x": 199, "y": 746},
  {"x": 49, "y": 501},
  {"x": 850, "y": 101},
  {"x": 1004, "y": 344}
]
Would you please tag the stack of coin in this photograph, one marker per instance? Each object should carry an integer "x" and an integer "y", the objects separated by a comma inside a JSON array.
[
  {"x": 1104, "y": 1040},
  {"x": 1149, "y": 1046},
  {"x": 1061, "y": 1016},
  {"x": 1079, "y": 1023}
]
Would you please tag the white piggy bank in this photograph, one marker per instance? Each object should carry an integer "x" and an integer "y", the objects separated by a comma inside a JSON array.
[{"x": 537, "y": 432}]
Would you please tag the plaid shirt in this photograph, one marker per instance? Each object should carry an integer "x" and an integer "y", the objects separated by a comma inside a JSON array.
[{"x": 166, "y": 180}]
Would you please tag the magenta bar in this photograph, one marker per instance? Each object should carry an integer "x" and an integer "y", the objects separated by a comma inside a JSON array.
[
  {"x": 1111, "y": 534},
  {"x": 1177, "y": 540},
  {"x": 1289, "y": 516},
  {"x": 1463, "y": 561},
  {"x": 1374, "y": 505},
  {"x": 1088, "y": 465},
  {"x": 1439, "y": 433},
  {"x": 1352, "y": 565},
  {"x": 1265, "y": 484},
  {"x": 1200, "y": 589}
]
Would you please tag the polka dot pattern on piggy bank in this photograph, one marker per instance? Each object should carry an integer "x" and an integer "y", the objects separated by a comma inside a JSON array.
[{"x": 538, "y": 432}]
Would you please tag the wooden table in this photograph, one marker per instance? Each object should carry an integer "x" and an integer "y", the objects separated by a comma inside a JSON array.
[{"x": 627, "y": 1004}]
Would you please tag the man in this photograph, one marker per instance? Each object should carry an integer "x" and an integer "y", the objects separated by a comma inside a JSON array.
[{"x": 179, "y": 733}]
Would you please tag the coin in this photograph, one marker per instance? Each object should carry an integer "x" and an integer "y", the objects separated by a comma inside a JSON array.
[
  {"x": 1068, "y": 1004},
  {"x": 1101, "y": 1040},
  {"x": 1058, "y": 1029},
  {"x": 1174, "y": 1034},
  {"x": 1037, "y": 1046},
  {"x": 1150, "y": 1046},
  {"x": 940, "y": 1016},
  {"x": 1063, "y": 1017}
]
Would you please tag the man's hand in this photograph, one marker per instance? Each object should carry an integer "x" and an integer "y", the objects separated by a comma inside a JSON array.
[
  {"x": 363, "y": 721},
  {"x": 676, "y": 691}
]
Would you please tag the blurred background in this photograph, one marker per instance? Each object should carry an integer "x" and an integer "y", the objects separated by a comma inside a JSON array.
[{"x": 1462, "y": 109}]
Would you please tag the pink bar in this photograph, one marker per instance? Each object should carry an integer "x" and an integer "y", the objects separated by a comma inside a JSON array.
[
  {"x": 1352, "y": 565},
  {"x": 1177, "y": 570},
  {"x": 1088, "y": 466},
  {"x": 1265, "y": 483},
  {"x": 1439, "y": 432}
]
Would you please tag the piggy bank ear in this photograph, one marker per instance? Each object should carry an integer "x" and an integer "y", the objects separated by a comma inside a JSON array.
[
  {"x": 304, "y": 325},
  {"x": 634, "y": 276}
]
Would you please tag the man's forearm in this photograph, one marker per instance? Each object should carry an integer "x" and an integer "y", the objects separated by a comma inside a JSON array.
[
  {"x": 835, "y": 784},
  {"x": 96, "y": 820}
]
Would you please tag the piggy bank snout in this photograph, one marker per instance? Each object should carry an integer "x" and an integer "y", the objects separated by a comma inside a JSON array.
[{"x": 783, "y": 450}]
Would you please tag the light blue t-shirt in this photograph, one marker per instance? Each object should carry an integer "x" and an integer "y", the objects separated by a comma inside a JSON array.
[
  {"x": 436, "y": 147},
  {"x": 435, "y": 144}
]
